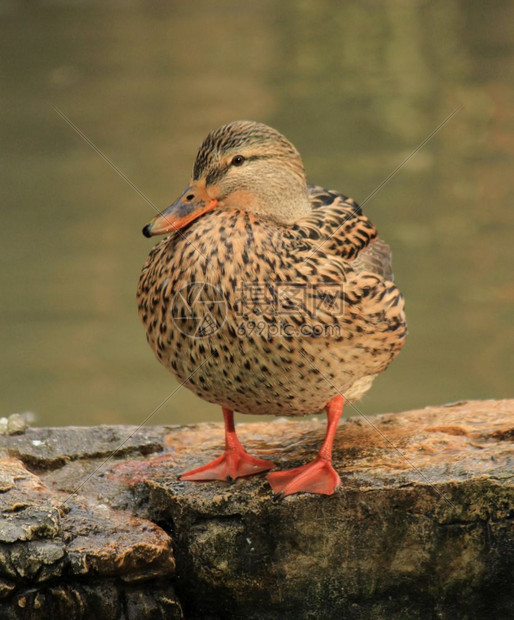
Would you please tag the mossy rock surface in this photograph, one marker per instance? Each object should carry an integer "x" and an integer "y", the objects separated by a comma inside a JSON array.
[{"x": 95, "y": 522}]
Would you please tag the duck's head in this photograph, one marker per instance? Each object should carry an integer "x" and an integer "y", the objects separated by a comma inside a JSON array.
[{"x": 243, "y": 165}]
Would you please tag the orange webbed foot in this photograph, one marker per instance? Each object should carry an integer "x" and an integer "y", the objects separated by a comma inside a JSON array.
[
  {"x": 317, "y": 476},
  {"x": 230, "y": 465}
]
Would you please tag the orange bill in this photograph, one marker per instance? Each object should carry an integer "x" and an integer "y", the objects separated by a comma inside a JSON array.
[{"x": 193, "y": 203}]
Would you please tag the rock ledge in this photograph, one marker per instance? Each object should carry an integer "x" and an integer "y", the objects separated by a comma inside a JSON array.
[{"x": 94, "y": 522}]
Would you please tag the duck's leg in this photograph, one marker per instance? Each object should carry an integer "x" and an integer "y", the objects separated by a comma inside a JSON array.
[
  {"x": 234, "y": 463},
  {"x": 318, "y": 476}
]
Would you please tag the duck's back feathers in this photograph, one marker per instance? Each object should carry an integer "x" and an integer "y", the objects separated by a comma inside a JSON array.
[
  {"x": 337, "y": 235},
  {"x": 376, "y": 257},
  {"x": 338, "y": 227}
]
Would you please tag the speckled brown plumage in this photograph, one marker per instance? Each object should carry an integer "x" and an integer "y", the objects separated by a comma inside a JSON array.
[
  {"x": 234, "y": 252},
  {"x": 299, "y": 312}
]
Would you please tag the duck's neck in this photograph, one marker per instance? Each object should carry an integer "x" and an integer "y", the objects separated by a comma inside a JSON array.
[
  {"x": 272, "y": 198},
  {"x": 289, "y": 204}
]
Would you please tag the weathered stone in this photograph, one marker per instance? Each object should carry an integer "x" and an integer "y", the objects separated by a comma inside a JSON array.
[
  {"x": 422, "y": 526},
  {"x": 50, "y": 536},
  {"x": 15, "y": 424},
  {"x": 26, "y": 507},
  {"x": 50, "y": 447},
  {"x": 101, "y": 600},
  {"x": 6, "y": 587},
  {"x": 103, "y": 542}
]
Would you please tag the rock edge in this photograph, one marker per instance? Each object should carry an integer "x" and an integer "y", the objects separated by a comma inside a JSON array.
[{"x": 95, "y": 522}]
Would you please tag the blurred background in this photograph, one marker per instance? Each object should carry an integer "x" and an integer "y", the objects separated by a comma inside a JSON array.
[{"x": 356, "y": 86}]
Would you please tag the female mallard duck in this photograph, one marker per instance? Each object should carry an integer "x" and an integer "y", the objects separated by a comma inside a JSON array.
[{"x": 270, "y": 296}]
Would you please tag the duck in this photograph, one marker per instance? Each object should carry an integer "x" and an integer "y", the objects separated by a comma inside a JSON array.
[{"x": 268, "y": 296}]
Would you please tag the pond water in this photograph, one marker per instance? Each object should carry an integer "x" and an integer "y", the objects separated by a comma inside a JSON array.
[{"x": 356, "y": 86}]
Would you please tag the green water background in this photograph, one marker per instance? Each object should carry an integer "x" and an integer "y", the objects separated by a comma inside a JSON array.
[{"x": 356, "y": 86}]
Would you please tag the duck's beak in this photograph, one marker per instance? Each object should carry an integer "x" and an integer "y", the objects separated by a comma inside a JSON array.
[{"x": 194, "y": 202}]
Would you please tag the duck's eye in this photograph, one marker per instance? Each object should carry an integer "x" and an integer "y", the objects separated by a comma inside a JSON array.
[{"x": 238, "y": 160}]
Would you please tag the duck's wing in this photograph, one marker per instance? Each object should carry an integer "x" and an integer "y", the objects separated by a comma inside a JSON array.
[
  {"x": 338, "y": 244},
  {"x": 376, "y": 257},
  {"x": 338, "y": 227}
]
